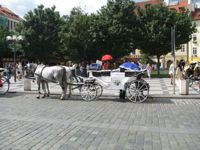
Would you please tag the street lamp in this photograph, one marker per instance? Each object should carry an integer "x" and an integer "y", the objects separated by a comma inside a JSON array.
[{"x": 14, "y": 39}]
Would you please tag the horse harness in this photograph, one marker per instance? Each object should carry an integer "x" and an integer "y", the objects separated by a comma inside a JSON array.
[{"x": 40, "y": 75}]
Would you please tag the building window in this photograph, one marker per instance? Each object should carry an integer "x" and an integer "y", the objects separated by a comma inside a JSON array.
[
  {"x": 14, "y": 24},
  {"x": 182, "y": 48},
  {"x": 194, "y": 51},
  {"x": 194, "y": 38},
  {"x": 11, "y": 24}
]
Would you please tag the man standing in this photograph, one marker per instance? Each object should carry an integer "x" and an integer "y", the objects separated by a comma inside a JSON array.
[
  {"x": 144, "y": 65},
  {"x": 8, "y": 72},
  {"x": 81, "y": 69},
  {"x": 74, "y": 68}
]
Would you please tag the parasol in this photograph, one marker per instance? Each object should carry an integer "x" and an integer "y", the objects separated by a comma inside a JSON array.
[
  {"x": 106, "y": 57},
  {"x": 130, "y": 66}
]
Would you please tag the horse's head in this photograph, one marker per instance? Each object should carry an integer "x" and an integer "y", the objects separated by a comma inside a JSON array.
[{"x": 30, "y": 68}]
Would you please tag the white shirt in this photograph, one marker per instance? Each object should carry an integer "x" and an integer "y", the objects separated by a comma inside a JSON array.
[{"x": 74, "y": 66}]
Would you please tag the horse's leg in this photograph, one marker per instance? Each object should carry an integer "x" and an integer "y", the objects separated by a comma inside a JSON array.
[
  {"x": 63, "y": 87},
  {"x": 38, "y": 83},
  {"x": 44, "y": 89},
  {"x": 70, "y": 86},
  {"x": 47, "y": 87}
]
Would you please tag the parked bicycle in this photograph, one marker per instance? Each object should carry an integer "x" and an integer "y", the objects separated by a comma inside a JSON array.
[{"x": 4, "y": 85}]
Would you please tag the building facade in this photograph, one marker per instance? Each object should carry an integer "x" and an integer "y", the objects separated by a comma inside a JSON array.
[
  {"x": 194, "y": 44},
  {"x": 8, "y": 18}
]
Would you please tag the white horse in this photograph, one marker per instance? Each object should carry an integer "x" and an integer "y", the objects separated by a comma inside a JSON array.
[{"x": 59, "y": 74}]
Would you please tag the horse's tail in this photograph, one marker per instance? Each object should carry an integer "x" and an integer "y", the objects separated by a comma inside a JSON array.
[{"x": 64, "y": 81}]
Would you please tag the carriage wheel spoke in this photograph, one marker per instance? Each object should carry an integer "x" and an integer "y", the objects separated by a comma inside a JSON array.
[
  {"x": 135, "y": 98},
  {"x": 88, "y": 92}
]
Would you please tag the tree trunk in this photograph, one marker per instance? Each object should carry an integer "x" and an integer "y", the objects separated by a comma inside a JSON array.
[{"x": 158, "y": 65}]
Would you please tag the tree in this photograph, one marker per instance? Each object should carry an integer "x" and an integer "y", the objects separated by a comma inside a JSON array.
[
  {"x": 114, "y": 29},
  {"x": 145, "y": 58},
  {"x": 40, "y": 33},
  {"x": 75, "y": 36},
  {"x": 4, "y": 45},
  {"x": 155, "y": 29}
]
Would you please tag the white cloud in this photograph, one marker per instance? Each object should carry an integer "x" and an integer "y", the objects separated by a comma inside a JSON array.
[
  {"x": 21, "y": 7},
  {"x": 65, "y": 6}
]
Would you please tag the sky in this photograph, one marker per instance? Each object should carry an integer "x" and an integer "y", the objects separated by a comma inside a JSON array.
[{"x": 22, "y": 7}]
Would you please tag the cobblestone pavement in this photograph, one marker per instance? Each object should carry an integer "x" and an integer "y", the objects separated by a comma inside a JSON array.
[{"x": 111, "y": 124}]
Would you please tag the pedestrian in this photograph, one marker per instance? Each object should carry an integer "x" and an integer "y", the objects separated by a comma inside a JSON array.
[
  {"x": 8, "y": 72},
  {"x": 104, "y": 66},
  {"x": 17, "y": 72},
  {"x": 20, "y": 70},
  {"x": 179, "y": 74},
  {"x": 81, "y": 69},
  {"x": 149, "y": 70},
  {"x": 81, "y": 72},
  {"x": 171, "y": 72},
  {"x": 74, "y": 72},
  {"x": 144, "y": 66}
]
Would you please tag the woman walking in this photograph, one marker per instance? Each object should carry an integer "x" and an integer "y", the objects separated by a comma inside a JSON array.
[
  {"x": 149, "y": 70},
  {"x": 179, "y": 74}
]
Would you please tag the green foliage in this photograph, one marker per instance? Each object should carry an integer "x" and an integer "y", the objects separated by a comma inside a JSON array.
[
  {"x": 75, "y": 36},
  {"x": 155, "y": 29},
  {"x": 40, "y": 33},
  {"x": 114, "y": 29},
  {"x": 4, "y": 45},
  {"x": 145, "y": 58}
]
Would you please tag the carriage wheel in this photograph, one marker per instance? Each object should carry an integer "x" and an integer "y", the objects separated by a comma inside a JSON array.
[
  {"x": 88, "y": 92},
  {"x": 137, "y": 91},
  {"x": 99, "y": 89},
  {"x": 4, "y": 87}
]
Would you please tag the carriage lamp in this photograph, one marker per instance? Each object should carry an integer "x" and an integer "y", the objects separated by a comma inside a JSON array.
[{"x": 14, "y": 39}]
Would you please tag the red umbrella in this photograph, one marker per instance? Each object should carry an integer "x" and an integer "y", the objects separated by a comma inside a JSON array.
[{"x": 106, "y": 57}]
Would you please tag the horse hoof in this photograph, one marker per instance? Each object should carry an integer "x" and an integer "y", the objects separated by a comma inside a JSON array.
[
  {"x": 43, "y": 96},
  {"x": 38, "y": 97},
  {"x": 69, "y": 96},
  {"x": 62, "y": 98}
]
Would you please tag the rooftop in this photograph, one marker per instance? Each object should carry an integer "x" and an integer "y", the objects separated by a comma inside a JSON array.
[
  {"x": 7, "y": 12},
  {"x": 196, "y": 14},
  {"x": 177, "y": 5},
  {"x": 142, "y": 4}
]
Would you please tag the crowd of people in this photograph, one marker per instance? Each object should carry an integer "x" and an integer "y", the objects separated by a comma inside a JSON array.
[
  {"x": 180, "y": 71},
  {"x": 19, "y": 71}
]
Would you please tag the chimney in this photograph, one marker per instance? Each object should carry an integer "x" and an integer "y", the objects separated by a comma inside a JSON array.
[{"x": 190, "y": 1}]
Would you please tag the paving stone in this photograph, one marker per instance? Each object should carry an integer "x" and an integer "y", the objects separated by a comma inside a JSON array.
[{"x": 52, "y": 124}]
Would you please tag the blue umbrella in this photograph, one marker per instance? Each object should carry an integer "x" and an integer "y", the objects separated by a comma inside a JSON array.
[{"x": 129, "y": 65}]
